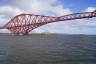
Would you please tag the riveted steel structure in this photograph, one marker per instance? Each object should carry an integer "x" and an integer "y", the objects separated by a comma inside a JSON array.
[{"x": 22, "y": 24}]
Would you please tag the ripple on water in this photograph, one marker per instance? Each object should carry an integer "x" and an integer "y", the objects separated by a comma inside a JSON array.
[{"x": 48, "y": 49}]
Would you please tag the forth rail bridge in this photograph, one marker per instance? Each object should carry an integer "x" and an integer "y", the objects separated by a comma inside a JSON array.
[{"x": 22, "y": 24}]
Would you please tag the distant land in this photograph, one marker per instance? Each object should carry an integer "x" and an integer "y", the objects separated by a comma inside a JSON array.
[{"x": 48, "y": 33}]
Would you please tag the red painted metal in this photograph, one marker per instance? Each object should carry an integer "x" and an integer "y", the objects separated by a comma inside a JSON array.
[{"x": 22, "y": 24}]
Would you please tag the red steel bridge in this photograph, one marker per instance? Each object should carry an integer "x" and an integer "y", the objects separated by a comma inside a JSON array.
[{"x": 22, "y": 24}]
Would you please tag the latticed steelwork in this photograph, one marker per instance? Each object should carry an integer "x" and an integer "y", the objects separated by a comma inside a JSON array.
[{"x": 22, "y": 24}]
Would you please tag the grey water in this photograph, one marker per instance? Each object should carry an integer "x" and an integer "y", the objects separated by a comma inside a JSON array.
[{"x": 48, "y": 49}]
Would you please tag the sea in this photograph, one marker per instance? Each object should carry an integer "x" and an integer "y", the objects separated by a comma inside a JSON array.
[{"x": 47, "y": 49}]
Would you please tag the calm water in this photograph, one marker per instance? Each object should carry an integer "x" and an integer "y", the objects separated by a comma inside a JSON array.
[{"x": 47, "y": 49}]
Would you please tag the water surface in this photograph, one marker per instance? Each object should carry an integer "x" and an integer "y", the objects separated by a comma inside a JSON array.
[{"x": 48, "y": 49}]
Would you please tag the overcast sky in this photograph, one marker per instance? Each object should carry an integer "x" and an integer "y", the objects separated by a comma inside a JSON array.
[{"x": 11, "y": 8}]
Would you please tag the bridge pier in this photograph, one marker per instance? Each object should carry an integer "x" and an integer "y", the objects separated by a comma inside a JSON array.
[
  {"x": 20, "y": 33},
  {"x": 24, "y": 33}
]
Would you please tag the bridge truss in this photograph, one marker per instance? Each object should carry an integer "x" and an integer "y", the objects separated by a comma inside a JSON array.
[{"x": 22, "y": 24}]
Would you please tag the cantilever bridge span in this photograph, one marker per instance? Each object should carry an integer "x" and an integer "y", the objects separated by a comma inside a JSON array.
[{"x": 22, "y": 24}]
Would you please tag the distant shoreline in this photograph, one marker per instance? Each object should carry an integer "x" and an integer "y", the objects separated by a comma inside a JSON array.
[{"x": 50, "y": 34}]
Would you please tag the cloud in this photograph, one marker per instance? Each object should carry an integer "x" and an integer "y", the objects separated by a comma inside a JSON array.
[
  {"x": 87, "y": 22},
  {"x": 86, "y": 26},
  {"x": 2, "y": 20},
  {"x": 90, "y": 9},
  {"x": 9, "y": 11},
  {"x": 40, "y": 6},
  {"x": 51, "y": 8}
]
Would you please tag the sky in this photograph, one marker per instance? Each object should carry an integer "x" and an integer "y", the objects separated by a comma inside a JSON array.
[{"x": 11, "y": 8}]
